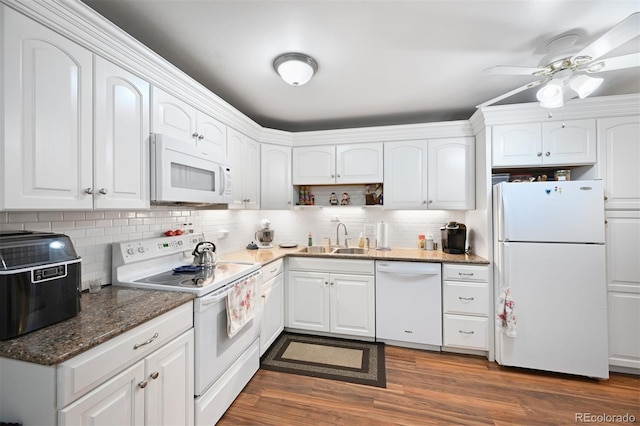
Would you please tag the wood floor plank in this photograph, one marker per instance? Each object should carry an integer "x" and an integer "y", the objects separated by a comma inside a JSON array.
[{"x": 432, "y": 388}]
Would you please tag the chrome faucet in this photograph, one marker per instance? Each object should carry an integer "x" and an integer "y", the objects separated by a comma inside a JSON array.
[{"x": 338, "y": 233}]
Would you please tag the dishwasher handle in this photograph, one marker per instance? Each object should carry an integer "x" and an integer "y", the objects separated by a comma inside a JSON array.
[{"x": 404, "y": 269}]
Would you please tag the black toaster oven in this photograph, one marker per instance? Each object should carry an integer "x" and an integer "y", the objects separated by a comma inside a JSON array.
[{"x": 40, "y": 277}]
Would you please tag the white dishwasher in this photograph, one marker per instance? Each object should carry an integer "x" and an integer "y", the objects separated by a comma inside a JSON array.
[{"x": 409, "y": 304}]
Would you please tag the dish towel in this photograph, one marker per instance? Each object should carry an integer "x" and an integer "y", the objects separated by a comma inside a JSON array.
[
  {"x": 506, "y": 321},
  {"x": 241, "y": 305}
]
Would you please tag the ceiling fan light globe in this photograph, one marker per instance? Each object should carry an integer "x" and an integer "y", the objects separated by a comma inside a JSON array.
[
  {"x": 584, "y": 85},
  {"x": 295, "y": 69}
]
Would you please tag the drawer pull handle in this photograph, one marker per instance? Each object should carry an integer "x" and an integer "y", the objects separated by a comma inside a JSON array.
[
  {"x": 408, "y": 331},
  {"x": 137, "y": 345},
  {"x": 465, "y": 298},
  {"x": 155, "y": 375},
  {"x": 273, "y": 270},
  {"x": 142, "y": 384},
  {"x": 465, "y": 274},
  {"x": 466, "y": 332}
]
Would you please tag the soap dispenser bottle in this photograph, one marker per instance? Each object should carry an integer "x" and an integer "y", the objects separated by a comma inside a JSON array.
[{"x": 361, "y": 240}]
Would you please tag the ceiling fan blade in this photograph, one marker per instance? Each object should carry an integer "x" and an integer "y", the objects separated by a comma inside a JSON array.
[
  {"x": 511, "y": 93},
  {"x": 617, "y": 63},
  {"x": 509, "y": 70},
  {"x": 626, "y": 30}
]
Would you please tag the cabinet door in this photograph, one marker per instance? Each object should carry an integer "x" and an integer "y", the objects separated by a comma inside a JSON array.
[
  {"x": 245, "y": 170},
  {"x": 451, "y": 174},
  {"x": 618, "y": 155},
  {"x": 624, "y": 329},
  {"x": 173, "y": 117},
  {"x": 276, "y": 190},
  {"x": 308, "y": 301},
  {"x": 170, "y": 377},
  {"x": 121, "y": 144},
  {"x": 516, "y": 145},
  {"x": 361, "y": 163},
  {"x": 47, "y": 141},
  {"x": 212, "y": 134},
  {"x": 405, "y": 175},
  {"x": 569, "y": 142},
  {"x": 314, "y": 165},
  {"x": 272, "y": 311},
  {"x": 352, "y": 305},
  {"x": 622, "y": 241},
  {"x": 119, "y": 401}
]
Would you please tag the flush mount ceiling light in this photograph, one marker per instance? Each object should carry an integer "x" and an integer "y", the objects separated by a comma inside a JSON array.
[{"x": 295, "y": 68}]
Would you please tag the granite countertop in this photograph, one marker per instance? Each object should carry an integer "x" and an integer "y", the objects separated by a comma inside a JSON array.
[
  {"x": 104, "y": 315},
  {"x": 264, "y": 256}
]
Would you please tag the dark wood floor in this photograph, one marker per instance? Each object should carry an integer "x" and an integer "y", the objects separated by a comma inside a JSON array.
[{"x": 435, "y": 388}]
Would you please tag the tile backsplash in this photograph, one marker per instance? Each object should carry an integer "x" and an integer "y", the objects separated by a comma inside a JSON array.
[{"x": 93, "y": 232}]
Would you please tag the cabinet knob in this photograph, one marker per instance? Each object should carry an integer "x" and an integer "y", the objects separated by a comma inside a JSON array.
[
  {"x": 547, "y": 153},
  {"x": 200, "y": 137},
  {"x": 155, "y": 375},
  {"x": 88, "y": 191},
  {"x": 539, "y": 154},
  {"x": 338, "y": 175},
  {"x": 326, "y": 282},
  {"x": 142, "y": 384},
  {"x": 424, "y": 201},
  {"x": 195, "y": 135},
  {"x": 430, "y": 201},
  {"x": 333, "y": 176},
  {"x": 103, "y": 191},
  {"x": 331, "y": 283}
]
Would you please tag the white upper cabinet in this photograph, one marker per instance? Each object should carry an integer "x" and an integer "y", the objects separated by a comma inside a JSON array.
[
  {"x": 314, "y": 165},
  {"x": 571, "y": 142},
  {"x": 619, "y": 160},
  {"x": 360, "y": 163},
  {"x": 47, "y": 141},
  {"x": 244, "y": 153},
  {"x": 430, "y": 174},
  {"x": 276, "y": 189},
  {"x": 338, "y": 164},
  {"x": 178, "y": 119},
  {"x": 121, "y": 144}
]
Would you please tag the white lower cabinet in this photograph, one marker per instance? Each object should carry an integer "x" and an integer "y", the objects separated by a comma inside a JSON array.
[
  {"x": 334, "y": 296},
  {"x": 272, "y": 299},
  {"x": 465, "y": 304},
  {"x": 623, "y": 285},
  {"x": 144, "y": 376}
]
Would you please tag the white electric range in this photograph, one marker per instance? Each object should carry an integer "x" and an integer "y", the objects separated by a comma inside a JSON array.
[{"x": 223, "y": 364}]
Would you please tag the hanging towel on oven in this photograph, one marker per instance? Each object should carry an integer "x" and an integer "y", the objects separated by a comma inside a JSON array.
[
  {"x": 241, "y": 304},
  {"x": 506, "y": 315}
]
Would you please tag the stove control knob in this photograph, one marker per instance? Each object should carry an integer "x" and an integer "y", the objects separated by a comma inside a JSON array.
[
  {"x": 141, "y": 249},
  {"x": 130, "y": 251}
]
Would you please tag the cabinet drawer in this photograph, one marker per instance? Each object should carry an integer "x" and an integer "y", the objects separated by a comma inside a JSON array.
[
  {"x": 465, "y": 298},
  {"x": 271, "y": 270},
  {"x": 465, "y": 272},
  {"x": 84, "y": 372},
  {"x": 466, "y": 332}
]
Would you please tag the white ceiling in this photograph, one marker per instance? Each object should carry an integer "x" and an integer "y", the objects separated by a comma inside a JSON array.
[{"x": 380, "y": 62}]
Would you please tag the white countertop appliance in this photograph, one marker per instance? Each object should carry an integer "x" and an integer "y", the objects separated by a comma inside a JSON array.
[
  {"x": 550, "y": 276},
  {"x": 223, "y": 364}
]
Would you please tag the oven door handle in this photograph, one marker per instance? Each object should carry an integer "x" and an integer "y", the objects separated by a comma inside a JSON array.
[{"x": 210, "y": 300}]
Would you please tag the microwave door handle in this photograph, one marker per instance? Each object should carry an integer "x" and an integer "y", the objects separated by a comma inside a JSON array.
[{"x": 222, "y": 179}]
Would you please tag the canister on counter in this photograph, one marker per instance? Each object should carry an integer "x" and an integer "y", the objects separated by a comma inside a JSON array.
[
  {"x": 422, "y": 244},
  {"x": 429, "y": 243}
]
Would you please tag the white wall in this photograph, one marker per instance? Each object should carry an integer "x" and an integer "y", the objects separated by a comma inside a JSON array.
[{"x": 92, "y": 232}]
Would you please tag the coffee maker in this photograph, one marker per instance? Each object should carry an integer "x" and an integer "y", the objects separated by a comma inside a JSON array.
[
  {"x": 264, "y": 235},
  {"x": 454, "y": 237}
]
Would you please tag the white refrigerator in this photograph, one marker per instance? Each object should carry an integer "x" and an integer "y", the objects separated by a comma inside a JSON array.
[{"x": 550, "y": 255}]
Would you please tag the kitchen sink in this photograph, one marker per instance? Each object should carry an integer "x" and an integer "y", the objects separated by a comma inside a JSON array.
[
  {"x": 353, "y": 250},
  {"x": 334, "y": 250},
  {"x": 318, "y": 249}
]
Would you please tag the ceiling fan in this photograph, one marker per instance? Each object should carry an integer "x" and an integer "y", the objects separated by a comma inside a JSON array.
[{"x": 568, "y": 74}]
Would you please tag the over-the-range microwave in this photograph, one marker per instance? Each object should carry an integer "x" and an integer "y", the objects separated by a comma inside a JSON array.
[{"x": 182, "y": 173}]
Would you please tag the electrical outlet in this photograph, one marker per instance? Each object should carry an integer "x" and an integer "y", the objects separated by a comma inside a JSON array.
[{"x": 223, "y": 233}]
